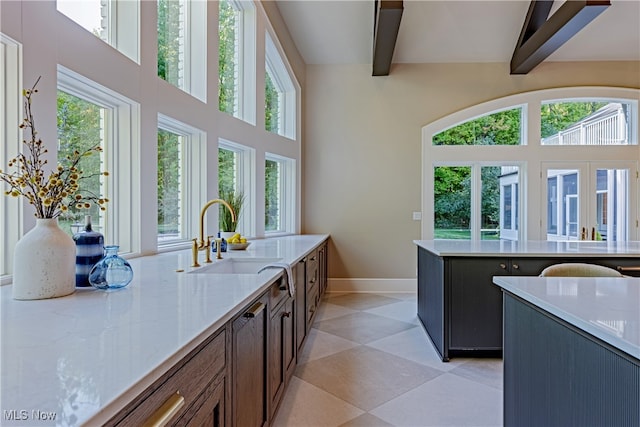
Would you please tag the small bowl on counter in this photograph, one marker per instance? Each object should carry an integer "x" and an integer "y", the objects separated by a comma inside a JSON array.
[{"x": 238, "y": 246}]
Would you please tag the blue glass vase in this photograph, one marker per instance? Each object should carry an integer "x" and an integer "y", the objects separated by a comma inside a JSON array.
[
  {"x": 112, "y": 271},
  {"x": 89, "y": 250}
]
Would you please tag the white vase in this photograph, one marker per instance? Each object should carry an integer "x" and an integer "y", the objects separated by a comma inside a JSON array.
[
  {"x": 44, "y": 263},
  {"x": 227, "y": 234}
]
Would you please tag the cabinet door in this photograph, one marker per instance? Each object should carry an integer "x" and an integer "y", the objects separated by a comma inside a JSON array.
[
  {"x": 210, "y": 413},
  {"x": 249, "y": 396},
  {"x": 529, "y": 266},
  {"x": 476, "y": 303},
  {"x": 282, "y": 345}
]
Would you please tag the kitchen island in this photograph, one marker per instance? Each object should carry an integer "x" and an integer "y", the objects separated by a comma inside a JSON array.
[
  {"x": 94, "y": 357},
  {"x": 571, "y": 351},
  {"x": 458, "y": 304}
]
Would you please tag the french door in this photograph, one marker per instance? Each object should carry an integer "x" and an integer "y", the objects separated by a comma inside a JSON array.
[{"x": 590, "y": 200}]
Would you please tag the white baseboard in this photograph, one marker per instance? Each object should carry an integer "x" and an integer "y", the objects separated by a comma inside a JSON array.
[{"x": 372, "y": 285}]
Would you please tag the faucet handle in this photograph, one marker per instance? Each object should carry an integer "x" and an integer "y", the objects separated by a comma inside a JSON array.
[
  {"x": 194, "y": 252},
  {"x": 207, "y": 249}
]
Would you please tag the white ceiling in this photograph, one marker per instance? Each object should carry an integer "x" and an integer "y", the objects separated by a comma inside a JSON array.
[{"x": 341, "y": 31}]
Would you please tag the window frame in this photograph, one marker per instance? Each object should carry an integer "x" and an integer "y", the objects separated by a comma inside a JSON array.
[
  {"x": 11, "y": 223},
  {"x": 121, "y": 22},
  {"x": 287, "y": 199},
  {"x": 284, "y": 84},
  {"x": 244, "y": 105},
  {"x": 192, "y": 190},
  {"x": 193, "y": 76},
  {"x": 121, "y": 154},
  {"x": 244, "y": 181}
]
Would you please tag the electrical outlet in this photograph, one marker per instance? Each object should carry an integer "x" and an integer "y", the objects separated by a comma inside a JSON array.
[{"x": 417, "y": 216}]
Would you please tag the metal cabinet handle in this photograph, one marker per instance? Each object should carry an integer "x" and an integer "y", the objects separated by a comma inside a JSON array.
[
  {"x": 255, "y": 310},
  {"x": 312, "y": 280},
  {"x": 626, "y": 269},
  {"x": 313, "y": 258},
  {"x": 286, "y": 314},
  {"x": 283, "y": 287},
  {"x": 164, "y": 413},
  {"x": 503, "y": 266},
  {"x": 516, "y": 266}
]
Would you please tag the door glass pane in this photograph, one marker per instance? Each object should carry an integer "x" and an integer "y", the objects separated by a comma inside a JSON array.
[
  {"x": 490, "y": 208},
  {"x": 452, "y": 202},
  {"x": 502, "y": 202},
  {"x": 563, "y": 204},
  {"x": 609, "y": 221}
]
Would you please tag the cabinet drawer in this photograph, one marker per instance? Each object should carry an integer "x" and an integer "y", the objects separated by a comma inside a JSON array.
[
  {"x": 190, "y": 380},
  {"x": 278, "y": 292}
]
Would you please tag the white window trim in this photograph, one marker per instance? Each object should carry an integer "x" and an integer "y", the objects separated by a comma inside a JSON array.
[
  {"x": 245, "y": 182},
  {"x": 121, "y": 158},
  {"x": 11, "y": 223},
  {"x": 531, "y": 150},
  {"x": 192, "y": 188},
  {"x": 281, "y": 77},
  {"x": 287, "y": 195}
]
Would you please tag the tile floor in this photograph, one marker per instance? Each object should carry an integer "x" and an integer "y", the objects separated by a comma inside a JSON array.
[{"x": 368, "y": 362}]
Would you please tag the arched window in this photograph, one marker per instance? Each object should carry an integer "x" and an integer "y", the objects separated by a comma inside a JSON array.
[{"x": 558, "y": 164}]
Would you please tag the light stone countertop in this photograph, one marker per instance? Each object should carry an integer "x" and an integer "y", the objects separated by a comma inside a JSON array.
[
  {"x": 83, "y": 357},
  {"x": 530, "y": 248},
  {"x": 607, "y": 308}
]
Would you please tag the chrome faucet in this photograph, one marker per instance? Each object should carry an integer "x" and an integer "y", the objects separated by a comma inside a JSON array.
[{"x": 200, "y": 244}]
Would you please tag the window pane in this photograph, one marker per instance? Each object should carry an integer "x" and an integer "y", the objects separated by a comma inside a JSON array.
[
  {"x": 228, "y": 58},
  {"x": 171, "y": 41},
  {"x": 452, "y": 202},
  {"x": 272, "y": 105},
  {"x": 272, "y": 196},
  {"x": 80, "y": 127},
  {"x": 226, "y": 170},
  {"x": 501, "y": 128},
  {"x": 169, "y": 154},
  {"x": 586, "y": 123},
  {"x": 86, "y": 13},
  {"x": 611, "y": 215}
]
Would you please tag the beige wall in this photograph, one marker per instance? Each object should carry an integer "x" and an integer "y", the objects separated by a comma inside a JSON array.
[{"x": 362, "y": 147}]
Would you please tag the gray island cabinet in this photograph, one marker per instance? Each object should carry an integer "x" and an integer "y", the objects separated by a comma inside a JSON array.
[
  {"x": 571, "y": 351},
  {"x": 459, "y": 306}
]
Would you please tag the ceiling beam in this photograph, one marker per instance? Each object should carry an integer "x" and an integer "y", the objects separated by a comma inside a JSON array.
[
  {"x": 386, "y": 24},
  {"x": 540, "y": 37}
]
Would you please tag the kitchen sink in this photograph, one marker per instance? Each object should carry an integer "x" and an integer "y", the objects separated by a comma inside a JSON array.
[{"x": 235, "y": 266}]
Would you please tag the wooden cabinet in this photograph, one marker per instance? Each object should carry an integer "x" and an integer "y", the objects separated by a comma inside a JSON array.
[
  {"x": 193, "y": 389},
  {"x": 282, "y": 344},
  {"x": 249, "y": 366},
  {"x": 460, "y": 307}
]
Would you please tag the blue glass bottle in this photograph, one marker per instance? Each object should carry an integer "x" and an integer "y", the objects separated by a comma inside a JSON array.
[
  {"x": 112, "y": 271},
  {"x": 89, "y": 250}
]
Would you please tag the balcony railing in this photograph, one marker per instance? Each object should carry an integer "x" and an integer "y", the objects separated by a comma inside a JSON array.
[{"x": 608, "y": 126}]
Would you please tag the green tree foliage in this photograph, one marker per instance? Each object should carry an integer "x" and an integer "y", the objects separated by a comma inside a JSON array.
[
  {"x": 226, "y": 171},
  {"x": 502, "y": 128},
  {"x": 227, "y": 57},
  {"x": 452, "y": 197},
  {"x": 169, "y": 40},
  {"x": 556, "y": 117},
  {"x": 272, "y": 175},
  {"x": 79, "y": 125},
  {"x": 271, "y": 105},
  {"x": 168, "y": 182}
]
